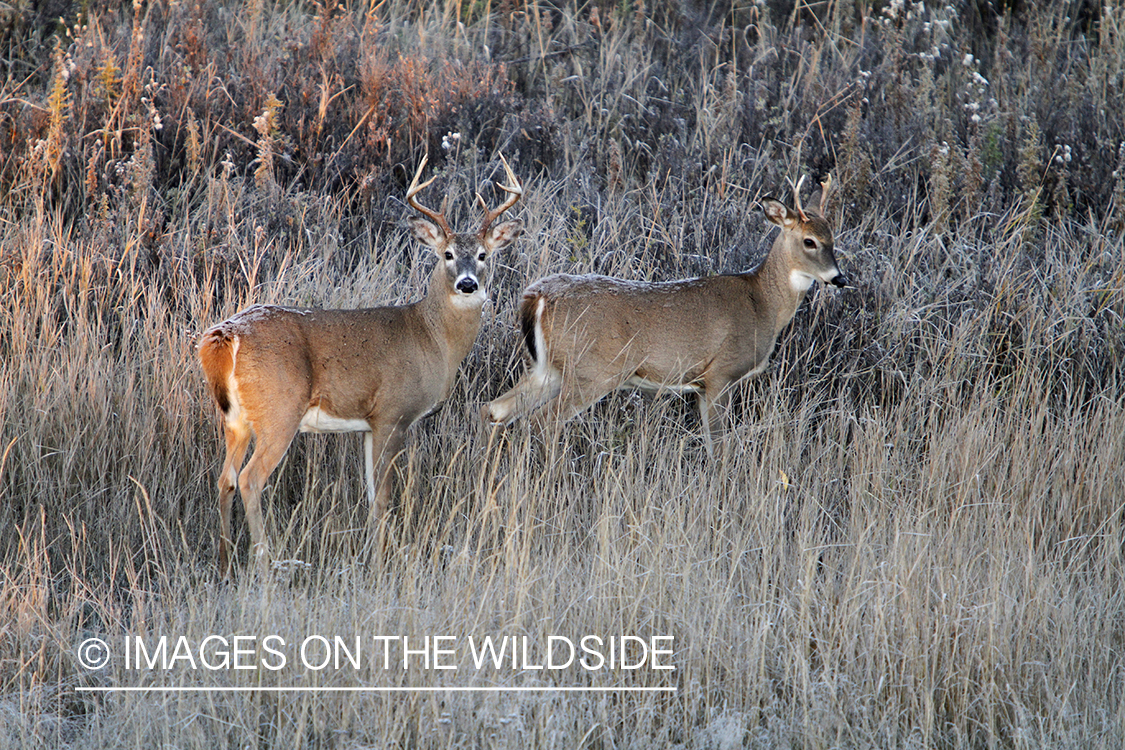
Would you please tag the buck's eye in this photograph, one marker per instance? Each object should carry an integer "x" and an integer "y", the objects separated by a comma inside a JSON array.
[
  {"x": 481, "y": 257},
  {"x": 810, "y": 244},
  {"x": 448, "y": 255}
]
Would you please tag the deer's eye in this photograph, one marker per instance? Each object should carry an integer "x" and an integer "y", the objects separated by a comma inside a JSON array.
[
  {"x": 810, "y": 244},
  {"x": 481, "y": 257},
  {"x": 448, "y": 255}
]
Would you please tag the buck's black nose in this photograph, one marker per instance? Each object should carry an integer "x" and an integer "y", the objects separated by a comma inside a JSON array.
[
  {"x": 467, "y": 285},
  {"x": 841, "y": 280}
]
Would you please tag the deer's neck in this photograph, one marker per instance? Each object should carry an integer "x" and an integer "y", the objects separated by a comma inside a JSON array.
[
  {"x": 454, "y": 318},
  {"x": 780, "y": 288}
]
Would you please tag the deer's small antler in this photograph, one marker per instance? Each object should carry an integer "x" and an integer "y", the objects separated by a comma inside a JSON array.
[
  {"x": 515, "y": 192},
  {"x": 415, "y": 188},
  {"x": 824, "y": 188},
  {"x": 797, "y": 197}
]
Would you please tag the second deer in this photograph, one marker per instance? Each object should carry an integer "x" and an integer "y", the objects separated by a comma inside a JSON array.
[
  {"x": 276, "y": 371},
  {"x": 590, "y": 335}
]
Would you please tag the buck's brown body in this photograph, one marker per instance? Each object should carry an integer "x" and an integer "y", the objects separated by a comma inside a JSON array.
[{"x": 275, "y": 371}]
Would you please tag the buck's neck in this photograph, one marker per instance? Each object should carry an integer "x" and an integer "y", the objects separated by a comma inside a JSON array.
[
  {"x": 780, "y": 290},
  {"x": 453, "y": 317}
]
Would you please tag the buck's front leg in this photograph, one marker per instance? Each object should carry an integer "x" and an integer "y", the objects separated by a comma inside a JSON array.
[
  {"x": 382, "y": 445},
  {"x": 714, "y": 403}
]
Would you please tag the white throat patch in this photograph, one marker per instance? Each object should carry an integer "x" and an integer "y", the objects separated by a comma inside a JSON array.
[
  {"x": 476, "y": 299},
  {"x": 800, "y": 281}
]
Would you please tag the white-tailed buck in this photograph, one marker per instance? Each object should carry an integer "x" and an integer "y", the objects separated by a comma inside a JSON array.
[
  {"x": 589, "y": 335},
  {"x": 275, "y": 371}
]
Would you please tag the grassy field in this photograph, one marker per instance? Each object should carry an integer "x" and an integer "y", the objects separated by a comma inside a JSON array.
[{"x": 911, "y": 534}]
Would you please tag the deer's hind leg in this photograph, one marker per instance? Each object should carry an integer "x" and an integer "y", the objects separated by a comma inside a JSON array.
[
  {"x": 575, "y": 395},
  {"x": 237, "y": 435},
  {"x": 537, "y": 386},
  {"x": 272, "y": 439}
]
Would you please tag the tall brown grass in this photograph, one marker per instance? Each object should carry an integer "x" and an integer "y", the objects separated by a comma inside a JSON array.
[{"x": 912, "y": 536}]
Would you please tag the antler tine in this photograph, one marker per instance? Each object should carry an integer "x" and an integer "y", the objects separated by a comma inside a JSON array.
[
  {"x": 824, "y": 188},
  {"x": 797, "y": 197},
  {"x": 415, "y": 188},
  {"x": 514, "y": 190}
]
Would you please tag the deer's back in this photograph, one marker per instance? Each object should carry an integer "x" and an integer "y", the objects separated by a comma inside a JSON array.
[{"x": 666, "y": 332}]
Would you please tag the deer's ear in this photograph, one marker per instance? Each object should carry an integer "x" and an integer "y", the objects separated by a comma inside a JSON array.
[
  {"x": 428, "y": 233},
  {"x": 502, "y": 235},
  {"x": 780, "y": 214}
]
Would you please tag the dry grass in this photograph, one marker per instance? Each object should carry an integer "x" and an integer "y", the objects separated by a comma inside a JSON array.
[{"x": 913, "y": 534}]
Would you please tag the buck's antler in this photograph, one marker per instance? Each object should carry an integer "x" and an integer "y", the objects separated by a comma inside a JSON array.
[
  {"x": 515, "y": 191},
  {"x": 413, "y": 191}
]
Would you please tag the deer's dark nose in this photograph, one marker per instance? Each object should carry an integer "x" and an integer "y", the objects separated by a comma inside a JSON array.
[
  {"x": 841, "y": 280},
  {"x": 467, "y": 285}
]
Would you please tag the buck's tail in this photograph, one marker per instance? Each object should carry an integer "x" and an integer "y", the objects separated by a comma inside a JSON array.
[{"x": 216, "y": 353}]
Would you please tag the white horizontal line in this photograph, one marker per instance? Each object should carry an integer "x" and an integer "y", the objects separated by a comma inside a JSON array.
[{"x": 451, "y": 689}]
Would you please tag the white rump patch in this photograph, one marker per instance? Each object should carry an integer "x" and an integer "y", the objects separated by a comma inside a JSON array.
[
  {"x": 318, "y": 420},
  {"x": 234, "y": 411},
  {"x": 541, "y": 358}
]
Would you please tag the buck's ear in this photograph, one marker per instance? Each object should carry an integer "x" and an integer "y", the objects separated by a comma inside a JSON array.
[
  {"x": 502, "y": 235},
  {"x": 428, "y": 233},
  {"x": 780, "y": 214}
]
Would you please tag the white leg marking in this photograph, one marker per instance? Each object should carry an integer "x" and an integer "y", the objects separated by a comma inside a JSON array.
[{"x": 369, "y": 466}]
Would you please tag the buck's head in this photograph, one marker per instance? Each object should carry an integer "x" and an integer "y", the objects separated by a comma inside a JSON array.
[
  {"x": 807, "y": 238},
  {"x": 464, "y": 256}
]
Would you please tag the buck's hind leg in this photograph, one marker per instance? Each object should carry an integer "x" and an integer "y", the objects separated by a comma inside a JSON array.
[
  {"x": 272, "y": 440},
  {"x": 237, "y": 435}
]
